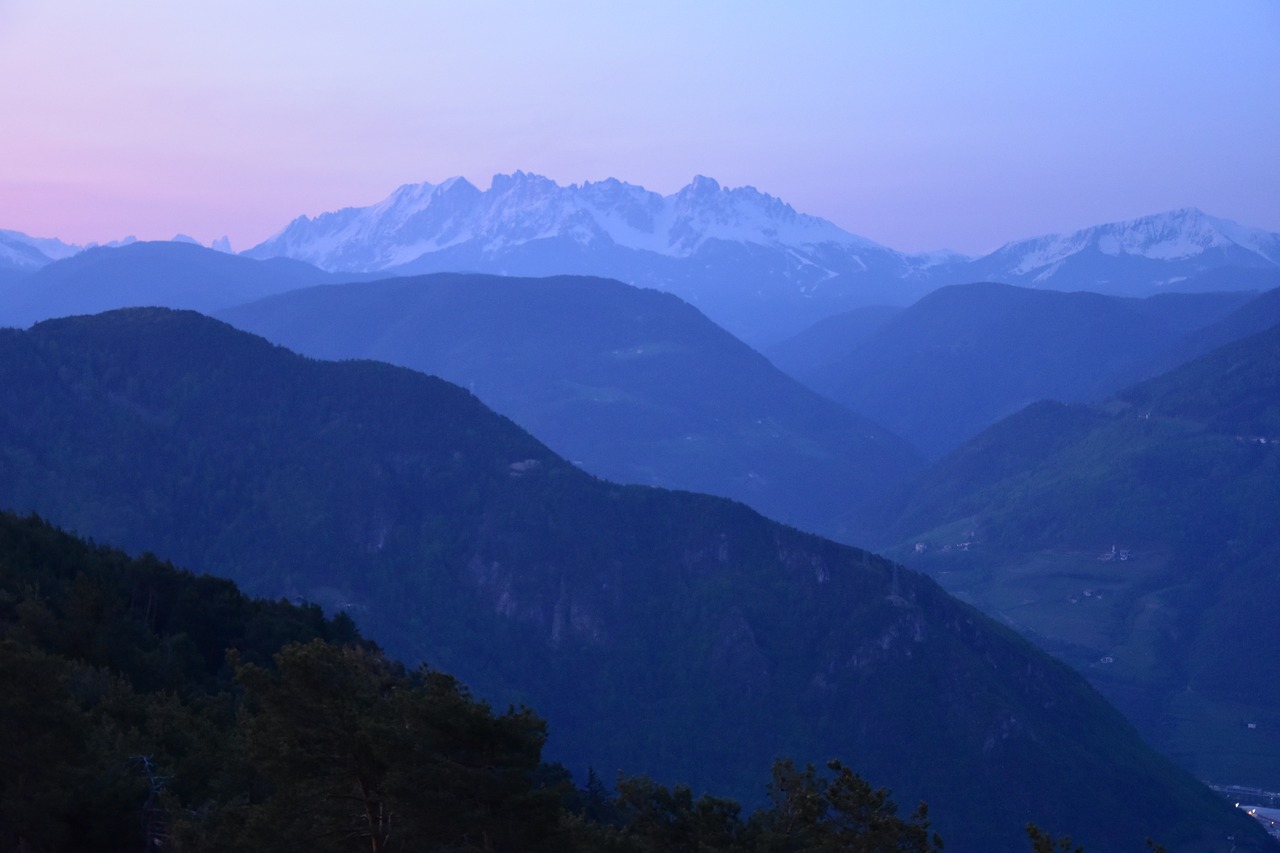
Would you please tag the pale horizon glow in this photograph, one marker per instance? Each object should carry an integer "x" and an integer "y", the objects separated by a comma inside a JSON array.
[{"x": 921, "y": 127}]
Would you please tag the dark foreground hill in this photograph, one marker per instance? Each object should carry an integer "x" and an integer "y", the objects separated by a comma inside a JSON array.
[
  {"x": 634, "y": 385},
  {"x": 1139, "y": 540},
  {"x": 146, "y": 708},
  {"x": 668, "y": 633},
  {"x": 965, "y": 356}
]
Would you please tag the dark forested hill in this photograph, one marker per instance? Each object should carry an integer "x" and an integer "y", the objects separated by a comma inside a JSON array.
[
  {"x": 660, "y": 632},
  {"x": 169, "y": 274},
  {"x": 633, "y": 385},
  {"x": 145, "y": 708},
  {"x": 965, "y": 356},
  {"x": 1139, "y": 540}
]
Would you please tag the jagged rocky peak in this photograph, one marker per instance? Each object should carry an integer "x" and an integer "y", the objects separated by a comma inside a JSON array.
[
  {"x": 407, "y": 195},
  {"x": 706, "y": 194},
  {"x": 629, "y": 206},
  {"x": 521, "y": 181},
  {"x": 701, "y": 185},
  {"x": 418, "y": 219},
  {"x": 455, "y": 187}
]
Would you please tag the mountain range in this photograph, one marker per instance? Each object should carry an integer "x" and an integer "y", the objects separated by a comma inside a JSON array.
[
  {"x": 661, "y": 632},
  {"x": 1174, "y": 251},
  {"x": 634, "y": 385},
  {"x": 173, "y": 274},
  {"x": 21, "y": 252},
  {"x": 690, "y": 407},
  {"x": 746, "y": 259},
  {"x": 963, "y": 357}
]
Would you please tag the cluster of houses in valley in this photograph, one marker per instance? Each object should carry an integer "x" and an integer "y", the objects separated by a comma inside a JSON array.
[
  {"x": 1269, "y": 818},
  {"x": 922, "y": 547},
  {"x": 1119, "y": 554},
  {"x": 1262, "y": 806},
  {"x": 1088, "y": 593}
]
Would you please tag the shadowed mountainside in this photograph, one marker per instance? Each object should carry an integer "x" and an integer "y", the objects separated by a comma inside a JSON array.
[
  {"x": 633, "y": 385},
  {"x": 668, "y": 633},
  {"x": 965, "y": 356}
]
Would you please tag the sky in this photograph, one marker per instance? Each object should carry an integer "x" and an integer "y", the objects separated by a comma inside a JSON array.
[{"x": 920, "y": 125}]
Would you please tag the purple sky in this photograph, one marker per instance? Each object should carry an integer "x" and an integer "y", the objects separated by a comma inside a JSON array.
[{"x": 918, "y": 125}]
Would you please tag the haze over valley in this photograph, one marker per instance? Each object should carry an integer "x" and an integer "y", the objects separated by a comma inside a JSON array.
[{"x": 829, "y": 428}]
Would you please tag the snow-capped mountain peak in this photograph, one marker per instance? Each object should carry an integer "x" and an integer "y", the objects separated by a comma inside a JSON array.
[
  {"x": 741, "y": 255},
  {"x": 1176, "y": 235},
  {"x": 1261, "y": 242},
  {"x": 522, "y": 207},
  {"x": 1171, "y": 236},
  {"x": 23, "y": 252}
]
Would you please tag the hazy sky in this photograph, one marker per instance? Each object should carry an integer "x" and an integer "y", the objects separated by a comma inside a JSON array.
[{"x": 921, "y": 125}]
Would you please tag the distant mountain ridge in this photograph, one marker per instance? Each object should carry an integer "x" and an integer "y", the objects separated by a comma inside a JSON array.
[
  {"x": 1163, "y": 251},
  {"x": 173, "y": 274},
  {"x": 747, "y": 259},
  {"x": 632, "y": 384},
  {"x": 521, "y": 207},
  {"x": 967, "y": 355},
  {"x": 1171, "y": 236},
  {"x": 21, "y": 252}
]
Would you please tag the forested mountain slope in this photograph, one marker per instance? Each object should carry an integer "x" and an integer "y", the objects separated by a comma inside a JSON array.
[
  {"x": 660, "y": 632},
  {"x": 1138, "y": 540}
]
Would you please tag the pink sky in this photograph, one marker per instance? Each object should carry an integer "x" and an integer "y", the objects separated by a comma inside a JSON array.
[{"x": 920, "y": 126}]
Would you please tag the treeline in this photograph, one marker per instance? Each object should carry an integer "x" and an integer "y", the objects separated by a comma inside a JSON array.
[{"x": 145, "y": 708}]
